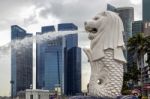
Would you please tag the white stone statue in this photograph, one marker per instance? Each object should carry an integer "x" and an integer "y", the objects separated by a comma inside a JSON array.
[{"x": 105, "y": 54}]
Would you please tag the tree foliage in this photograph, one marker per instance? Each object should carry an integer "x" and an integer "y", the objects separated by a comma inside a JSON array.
[{"x": 139, "y": 45}]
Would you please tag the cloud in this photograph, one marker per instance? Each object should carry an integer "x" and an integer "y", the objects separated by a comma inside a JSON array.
[
  {"x": 76, "y": 11},
  {"x": 30, "y": 20},
  {"x": 136, "y": 2}
]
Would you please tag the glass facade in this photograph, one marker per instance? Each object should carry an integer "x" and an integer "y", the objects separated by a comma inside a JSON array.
[
  {"x": 137, "y": 27},
  {"x": 111, "y": 8},
  {"x": 67, "y": 27},
  {"x": 54, "y": 64},
  {"x": 40, "y": 57},
  {"x": 50, "y": 58},
  {"x": 73, "y": 71},
  {"x": 146, "y": 7},
  {"x": 21, "y": 61},
  {"x": 127, "y": 16},
  {"x": 72, "y": 83},
  {"x": 53, "y": 60},
  {"x": 71, "y": 40},
  {"x": 46, "y": 29},
  {"x": 146, "y": 29}
]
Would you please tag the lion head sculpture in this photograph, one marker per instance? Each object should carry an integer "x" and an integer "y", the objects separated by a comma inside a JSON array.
[{"x": 106, "y": 31}]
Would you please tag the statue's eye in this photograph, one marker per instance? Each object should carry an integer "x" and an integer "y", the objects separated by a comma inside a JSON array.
[{"x": 96, "y": 18}]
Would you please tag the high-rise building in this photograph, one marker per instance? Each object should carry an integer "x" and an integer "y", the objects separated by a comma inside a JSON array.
[
  {"x": 72, "y": 60},
  {"x": 146, "y": 18},
  {"x": 137, "y": 27},
  {"x": 73, "y": 71},
  {"x": 21, "y": 61},
  {"x": 146, "y": 28},
  {"x": 40, "y": 58},
  {"x": 54, "y": 61},
  {"x": 146, "y": 7},
  {"x": 111, "y": 8},
  {"x": 50, "y": 64},
  {"x": 127, "y": 16},
  {"x": 46, "y": 29},
  {"x": 71, "y": 40}
]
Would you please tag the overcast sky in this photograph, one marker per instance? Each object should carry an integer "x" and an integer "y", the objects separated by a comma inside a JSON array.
[{"x": 32, "y": 14}]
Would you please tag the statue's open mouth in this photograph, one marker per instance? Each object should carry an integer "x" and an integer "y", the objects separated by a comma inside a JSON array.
[{"x": 91, "y": 30}]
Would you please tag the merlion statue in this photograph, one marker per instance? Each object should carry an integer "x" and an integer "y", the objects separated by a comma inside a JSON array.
[{"x": 105, "y": 54}]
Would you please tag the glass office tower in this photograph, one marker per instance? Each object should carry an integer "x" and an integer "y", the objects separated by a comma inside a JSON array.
[
  {"x": 137, "y": 27},
  {"x": 111, "y": 8},
  {"x": 21, "y": 61},
  {"x": 146, "y": 7},
  {"x": 53, "y": 60},
  {"x": 127, "y": 16},
  {"x": 40, "y": 57},
  {"x": 72, "y": 60},
  {"x": 73, "y": 71}
]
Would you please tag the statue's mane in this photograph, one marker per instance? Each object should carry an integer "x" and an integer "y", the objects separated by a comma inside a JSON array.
[{"x": 110, "y": 35}]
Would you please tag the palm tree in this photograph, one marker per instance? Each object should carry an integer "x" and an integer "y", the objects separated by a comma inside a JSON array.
[{"x": 139, "y": 45}]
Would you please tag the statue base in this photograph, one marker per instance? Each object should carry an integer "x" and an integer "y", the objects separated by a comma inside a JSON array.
[{"x": 93, "y": 97}]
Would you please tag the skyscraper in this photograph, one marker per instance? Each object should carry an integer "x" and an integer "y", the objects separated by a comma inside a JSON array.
[
  {"x": 46, "y": 29},
  {"x": 146, "y": 17},
  {"x": 146, "y": 29},
  {"x": 146, "y": 7},
  {"x": 111, "y": 8},
  {"x": 53, "y": 60},
  {"x": 40, "y": 57},
  {"x": 21, "y": 62},
  {"x": 127, "y": 16},
  {"x": 71, "y": 40},
  {"x": 137, "y": 27},
  {"x": 72, "y": 83},
  {"x": 73, "y": 71}
]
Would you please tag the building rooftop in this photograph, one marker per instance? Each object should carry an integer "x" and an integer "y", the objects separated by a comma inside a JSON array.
[
  {"x": 67, "y": 27},
  {"x": 125, "y": 8}
]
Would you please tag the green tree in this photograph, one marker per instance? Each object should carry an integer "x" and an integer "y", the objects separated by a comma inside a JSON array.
[
  {"x": 139, "y": 45},
  {"x": 131, "y": 75}
]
